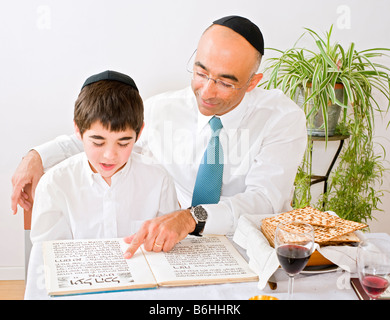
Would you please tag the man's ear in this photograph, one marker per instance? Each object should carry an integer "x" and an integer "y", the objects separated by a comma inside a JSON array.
[
  {"x": 254, "y": 81},
  {"x": 139, "y": 133},
  {"x": 77, "y": 131}
]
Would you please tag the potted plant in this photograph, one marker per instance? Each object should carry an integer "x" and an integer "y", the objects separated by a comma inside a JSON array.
[{"x": 322, "y": 80}]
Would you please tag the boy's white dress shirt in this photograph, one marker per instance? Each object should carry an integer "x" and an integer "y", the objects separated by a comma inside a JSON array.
[
  {"x": 263, "y": 140},
  {"x": 73, "y": 202}
]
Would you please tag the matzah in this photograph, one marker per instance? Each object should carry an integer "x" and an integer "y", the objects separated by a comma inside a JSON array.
[
  {"x": 343, "y": 239},
  {"x": 307, "y": 215},
  {"x": 328, "y": 229}
]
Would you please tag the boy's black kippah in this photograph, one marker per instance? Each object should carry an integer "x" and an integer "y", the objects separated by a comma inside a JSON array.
[
  {"x": 245, "y": 28},
  {"x": 110, "y": 75}
]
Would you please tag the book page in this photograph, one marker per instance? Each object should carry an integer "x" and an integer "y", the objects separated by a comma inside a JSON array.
[
  {"x": 200, "y": 260},
  {"x": 75, "y": 266}
]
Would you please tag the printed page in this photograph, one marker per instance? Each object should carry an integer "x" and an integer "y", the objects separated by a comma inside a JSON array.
[
  {"x": 200, "y": 260},
  {"x": 78, "y": 266}
]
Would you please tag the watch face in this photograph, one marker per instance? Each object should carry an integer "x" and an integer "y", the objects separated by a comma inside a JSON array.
[{"x": 200, "y": 213}]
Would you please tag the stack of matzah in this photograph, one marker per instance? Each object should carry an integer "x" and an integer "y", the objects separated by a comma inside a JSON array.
[{"x": 328, "y": 229}]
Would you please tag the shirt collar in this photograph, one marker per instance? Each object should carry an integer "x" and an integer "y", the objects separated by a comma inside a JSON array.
[
  {"x": 230, "y": 120},
  {"x": 88, "y": 170},
  {"x": 122, "y": 173},
  {"x": 93, "y": 177},
  {"x": 202, "y": 121}
]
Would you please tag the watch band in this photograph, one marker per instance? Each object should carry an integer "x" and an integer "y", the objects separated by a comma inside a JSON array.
[{"x": 198, "y": 229}]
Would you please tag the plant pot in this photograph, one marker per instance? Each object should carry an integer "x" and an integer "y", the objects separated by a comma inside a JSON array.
[{"x": 315, "y": 122}]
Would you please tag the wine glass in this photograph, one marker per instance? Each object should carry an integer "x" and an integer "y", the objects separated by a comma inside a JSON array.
[
  {"x": 373, "y": 266},
  {"x": 294, "y": 244}
]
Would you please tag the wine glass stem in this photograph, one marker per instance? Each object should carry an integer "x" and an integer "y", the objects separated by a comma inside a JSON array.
[{"x": 290, "y": 287}]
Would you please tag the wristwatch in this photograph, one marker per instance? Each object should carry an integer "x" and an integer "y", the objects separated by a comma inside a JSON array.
[{"x": 200, "y": 216}]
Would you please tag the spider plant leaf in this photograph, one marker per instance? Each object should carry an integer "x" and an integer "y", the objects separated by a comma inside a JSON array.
[
  {"x": 349, "y": 56},
  {"x": 347, "y": 87},
  {"x": 325, "y": 56}
]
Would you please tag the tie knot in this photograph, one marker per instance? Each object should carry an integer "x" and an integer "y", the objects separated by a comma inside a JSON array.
[{"x": 215, "y": 123}]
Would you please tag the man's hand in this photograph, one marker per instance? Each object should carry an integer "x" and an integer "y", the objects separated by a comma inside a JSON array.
[
  {"x": 161, "y": 233},
  {"x": 28, "y": 173}
]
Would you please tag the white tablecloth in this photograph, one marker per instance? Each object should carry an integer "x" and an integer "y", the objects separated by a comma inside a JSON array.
[{"x": 333, "y": 285}]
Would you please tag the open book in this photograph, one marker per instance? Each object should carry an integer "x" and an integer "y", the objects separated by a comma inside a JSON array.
[{"x": 84, "y": 266}]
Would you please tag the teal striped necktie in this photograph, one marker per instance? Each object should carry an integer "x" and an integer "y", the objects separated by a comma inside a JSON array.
[{"x": 209, "y": 179}]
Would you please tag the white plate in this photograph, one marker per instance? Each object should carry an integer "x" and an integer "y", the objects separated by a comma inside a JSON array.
[{"x": 319, "y": 269}]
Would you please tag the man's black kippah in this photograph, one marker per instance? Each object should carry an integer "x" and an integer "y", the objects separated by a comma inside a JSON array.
[
  {"x": 110, "y": 75},
  {"x": 245, "y": 28}
]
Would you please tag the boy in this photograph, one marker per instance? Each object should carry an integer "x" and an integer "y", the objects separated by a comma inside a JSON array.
[{"x": 105, "y": 192}]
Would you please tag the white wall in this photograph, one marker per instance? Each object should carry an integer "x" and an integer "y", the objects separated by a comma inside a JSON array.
[{"x": 49, "y": 47}]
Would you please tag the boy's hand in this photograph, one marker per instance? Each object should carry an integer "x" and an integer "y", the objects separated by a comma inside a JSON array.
[
  {"x": 28, "y": 173},
  {"x": 161, "y": 233}
]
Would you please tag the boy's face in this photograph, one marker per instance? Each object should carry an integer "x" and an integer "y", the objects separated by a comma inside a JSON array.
[{"x": 107, "y": 151}]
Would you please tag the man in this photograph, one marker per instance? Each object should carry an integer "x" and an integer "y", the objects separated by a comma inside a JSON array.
[{"x": 261, "y": 137}]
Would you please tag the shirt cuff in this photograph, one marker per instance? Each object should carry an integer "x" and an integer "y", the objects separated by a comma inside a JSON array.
[{"x": 219, "y": 219}]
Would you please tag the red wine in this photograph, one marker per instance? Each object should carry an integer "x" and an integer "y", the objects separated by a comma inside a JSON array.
[
  {"x": 293, "y": 258},
  {"x": 374, "y": 285}
]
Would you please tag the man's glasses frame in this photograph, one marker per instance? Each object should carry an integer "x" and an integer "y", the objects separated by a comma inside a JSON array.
[{"x": 203, "y": 78}]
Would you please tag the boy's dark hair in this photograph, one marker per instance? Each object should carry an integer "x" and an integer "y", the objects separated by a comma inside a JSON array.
[{"x": 116, "y": 105}]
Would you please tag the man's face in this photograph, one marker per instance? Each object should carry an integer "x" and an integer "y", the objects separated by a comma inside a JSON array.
[
  {"x": 107, "y": 151},
  {"x": 223, "y": 55}
]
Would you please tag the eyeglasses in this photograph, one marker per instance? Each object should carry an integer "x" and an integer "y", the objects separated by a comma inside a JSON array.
[{"x": 203, "y": 78}]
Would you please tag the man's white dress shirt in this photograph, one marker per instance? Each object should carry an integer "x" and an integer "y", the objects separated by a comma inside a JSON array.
[
  {"x": 73, "y": 202},
  {"x": 263, "y": 140}
]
